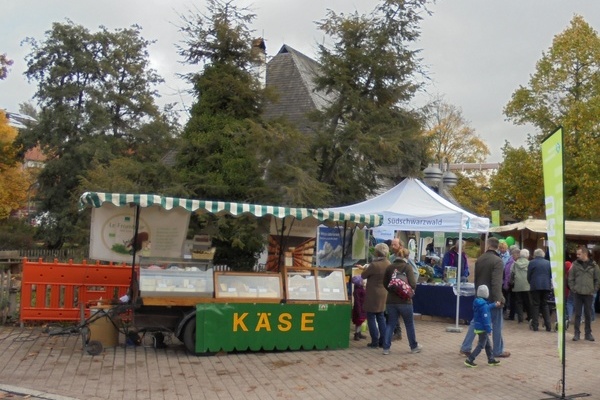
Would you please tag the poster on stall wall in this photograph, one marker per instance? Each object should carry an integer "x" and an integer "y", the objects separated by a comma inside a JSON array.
[
  {"x": 330, "y": 250},
  {"x": 360, "y": 240},
  {"x": 161, "y": 233},
  {"x": 381, "y": 234},
  {"x": 439, "y": 240}
]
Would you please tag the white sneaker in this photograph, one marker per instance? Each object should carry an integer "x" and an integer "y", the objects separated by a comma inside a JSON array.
[
  {"x": 386, "y": 352},
  {"x": 417, "y": 349}
]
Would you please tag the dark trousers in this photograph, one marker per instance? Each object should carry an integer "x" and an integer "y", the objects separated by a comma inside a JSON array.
[
  {"x": 482, "y": 342},
  {"x": 587, "y": 301},
  {"x": 398, "y": 329},
  {"x": 510, "y": 303},
  {"x": 376, "y": 324},
  {"x": 539, "y": 303},
  {"x": 522, "y": 303}
]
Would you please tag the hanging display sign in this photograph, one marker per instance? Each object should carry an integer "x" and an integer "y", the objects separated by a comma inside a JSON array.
[{"x": 161, "y": 233}]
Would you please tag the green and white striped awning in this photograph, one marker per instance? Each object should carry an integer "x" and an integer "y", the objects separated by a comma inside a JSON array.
[{"x": 96, "y": 199}]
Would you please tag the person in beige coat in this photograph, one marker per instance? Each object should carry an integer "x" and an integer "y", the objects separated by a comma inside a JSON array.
[
  {"x": 376, "y": 295},
  {"x": 518, "y": 278}
]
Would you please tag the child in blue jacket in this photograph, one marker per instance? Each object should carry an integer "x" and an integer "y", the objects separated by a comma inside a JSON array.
[{"x": 483, "y": 326}]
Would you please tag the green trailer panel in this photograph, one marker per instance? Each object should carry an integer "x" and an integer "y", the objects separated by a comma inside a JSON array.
[{"x": 266, "y": 326}]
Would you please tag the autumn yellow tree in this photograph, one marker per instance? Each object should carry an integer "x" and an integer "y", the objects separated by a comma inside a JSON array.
[
  {"x": 452, "y": 139},
  {"x": 14, "y": 181},
  {"x": 450, "y": 135},
  {"x": 564, "y": 91},
  {"x": 472, "y": 192}
]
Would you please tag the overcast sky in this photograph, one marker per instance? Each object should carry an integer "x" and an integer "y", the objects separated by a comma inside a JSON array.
[{"x": 477, "y": 52}]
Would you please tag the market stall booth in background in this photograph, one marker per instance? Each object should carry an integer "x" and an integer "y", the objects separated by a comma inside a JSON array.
[
  {"x": 532, "y": 233},
  {"x": 412, "y": 206},
  {"x": 173, "y": 285}
]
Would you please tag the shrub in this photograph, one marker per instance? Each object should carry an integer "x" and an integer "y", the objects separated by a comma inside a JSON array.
[{"x": 16, "y": 234}]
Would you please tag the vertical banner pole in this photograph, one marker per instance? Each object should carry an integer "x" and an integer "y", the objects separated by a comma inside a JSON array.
[{"x": 553, "y": 161}]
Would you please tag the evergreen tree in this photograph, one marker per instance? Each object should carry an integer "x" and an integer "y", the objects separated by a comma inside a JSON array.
[
  {"x": 369, "y": 130},
  {"x": 97, "y": 99},
  {"x": 228, "y": 152}
]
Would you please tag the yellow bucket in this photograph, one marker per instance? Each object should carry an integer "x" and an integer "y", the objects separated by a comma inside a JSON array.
[{"x": 102, "y": 328}]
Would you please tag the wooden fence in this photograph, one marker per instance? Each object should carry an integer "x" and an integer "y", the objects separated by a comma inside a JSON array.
[
  {"x": 64, "y": 255},
  {"x": 9, "y": 274},
  {"x": 7, "y": 294}
]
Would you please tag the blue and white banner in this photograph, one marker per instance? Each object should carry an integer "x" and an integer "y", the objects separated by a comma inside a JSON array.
[{"x": 330, "y": 249}]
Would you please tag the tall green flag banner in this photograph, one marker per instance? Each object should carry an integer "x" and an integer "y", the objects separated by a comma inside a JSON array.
[
  {"x": 552, "y": 159},
  {"x": 496, "y": 217}
]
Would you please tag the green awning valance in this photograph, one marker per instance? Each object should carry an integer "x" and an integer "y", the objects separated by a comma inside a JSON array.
[{"x": 96, "y": 199}]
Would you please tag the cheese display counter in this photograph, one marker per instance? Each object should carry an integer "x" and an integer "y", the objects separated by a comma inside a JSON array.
[
  {"x": 324, "y": 284},
  {"x": 176, "y": 283},
  {"x": 224, "y": 310},
  {"x": 304, "y": 284},
  {"x": 301, "y": 308},
  {"x": 248, "y": 285},
  {"x": 175, "y": 277}
]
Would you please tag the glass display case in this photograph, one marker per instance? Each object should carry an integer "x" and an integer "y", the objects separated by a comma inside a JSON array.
[
  {"x": 175, "y": 277},
  {"x": 249, "y": 285},
  {"x": 331, "y": 284},
  {"x": 196, "y": 278},
  {"x": 301, "y": 284},
  {"x": 323, "y": 284}
]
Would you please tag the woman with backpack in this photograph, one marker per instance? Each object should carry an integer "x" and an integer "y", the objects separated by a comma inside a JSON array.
[{"x": 397, "y": 306}]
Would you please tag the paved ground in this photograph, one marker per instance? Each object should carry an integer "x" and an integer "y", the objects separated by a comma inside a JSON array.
[{"x": 38, "y": 366}]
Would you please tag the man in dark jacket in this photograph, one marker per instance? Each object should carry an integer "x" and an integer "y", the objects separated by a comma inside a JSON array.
[
  {"x": 539, "y": 276},
  {"x": 489, "y": 271},
  {"x": 584, "y": 278}
]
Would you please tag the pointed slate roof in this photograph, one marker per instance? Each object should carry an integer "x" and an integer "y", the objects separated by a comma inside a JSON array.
[{"x": 291, "y": 74}]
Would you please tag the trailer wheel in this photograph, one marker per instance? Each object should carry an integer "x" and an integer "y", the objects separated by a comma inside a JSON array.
[
  {"x": 189, "y": 336},
  {"x": 94, "y": 347},
  {"x": 189, "y": 339}
]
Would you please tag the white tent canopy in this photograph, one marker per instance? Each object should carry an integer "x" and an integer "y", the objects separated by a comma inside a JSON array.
[{"x": 412, "y": 206}]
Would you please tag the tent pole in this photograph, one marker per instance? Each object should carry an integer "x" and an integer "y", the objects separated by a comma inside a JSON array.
[
  {"x": 280, "y": 242},
  {"x": 457, "y": 328},
  {"x": 133, "y": 286},
  {"x": 343, "y": 245}
]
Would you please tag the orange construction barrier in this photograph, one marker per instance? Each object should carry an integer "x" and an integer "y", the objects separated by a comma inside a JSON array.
[{"x": 55, "y": 291}]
